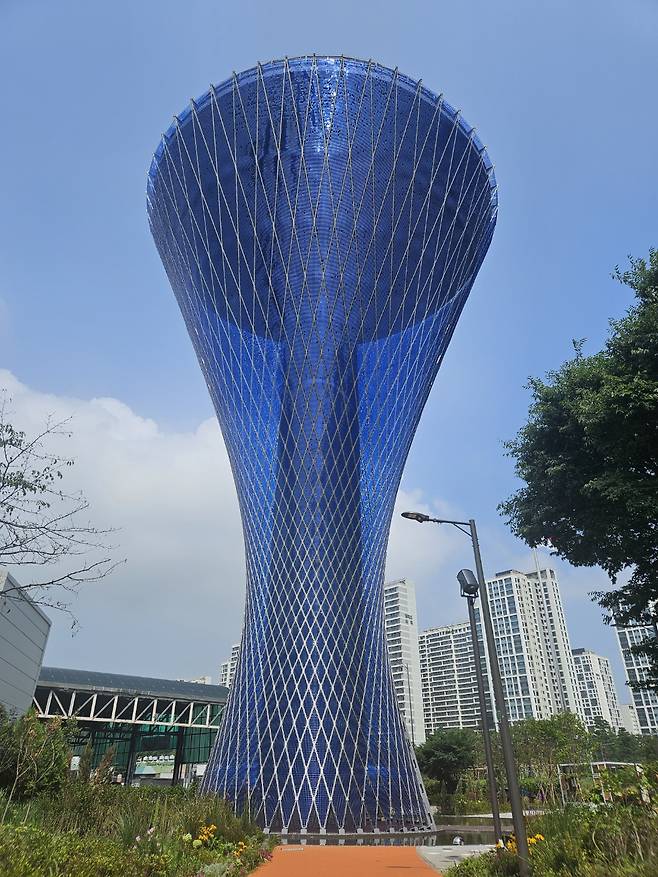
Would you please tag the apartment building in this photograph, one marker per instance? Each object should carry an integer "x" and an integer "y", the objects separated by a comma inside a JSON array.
[
  {"x": 596, "y": 684},
  {"x": 228, "y": 667},
  {"x": 401, "y": 625},
  {"x": 449, "y": 682},
  {"x": 636, "y": 667}
]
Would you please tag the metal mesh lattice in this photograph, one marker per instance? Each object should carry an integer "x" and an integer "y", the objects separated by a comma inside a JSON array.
[{"x": 321, "y": 222}]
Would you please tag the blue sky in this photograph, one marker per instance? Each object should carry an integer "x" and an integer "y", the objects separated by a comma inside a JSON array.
[{"x": 563, "y": 94}]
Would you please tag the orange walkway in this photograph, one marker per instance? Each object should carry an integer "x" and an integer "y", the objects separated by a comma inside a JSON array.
[{"x": 316, "y": 861}]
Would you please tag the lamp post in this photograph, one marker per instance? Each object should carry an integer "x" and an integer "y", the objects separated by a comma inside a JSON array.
[
  {"x": 469, "y": 588},
  {"x": 501, "y": 709}
]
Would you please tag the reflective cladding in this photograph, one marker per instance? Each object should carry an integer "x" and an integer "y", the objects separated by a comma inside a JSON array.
[{"x": 321, "y": 221}]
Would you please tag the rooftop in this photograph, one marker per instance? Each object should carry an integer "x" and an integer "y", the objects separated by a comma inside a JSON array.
[{"x": 90, "y": 680}]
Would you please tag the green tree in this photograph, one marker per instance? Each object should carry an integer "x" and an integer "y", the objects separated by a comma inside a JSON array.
[
  {"x": 446, "y": 755},
  {"x": 611, "y": 745},
  {"x": 589, "y": 458},
  {"x": 541, "y": 745},
  {"x": 607, "y": 745}
]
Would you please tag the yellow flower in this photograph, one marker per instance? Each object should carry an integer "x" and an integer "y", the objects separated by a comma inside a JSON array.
[
  {"x": 540, "y": 837},
  {"x": 532, "y": 840}
]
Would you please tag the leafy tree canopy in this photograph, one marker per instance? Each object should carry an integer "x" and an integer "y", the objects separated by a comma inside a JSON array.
[
  {"x": 447, "y": 754},
  {"x": 589, "y": 458},
  {"x": 609, "y": 745},
  {"x": 542, "y": 744}
]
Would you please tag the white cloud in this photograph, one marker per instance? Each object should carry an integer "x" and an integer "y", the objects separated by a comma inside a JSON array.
[
  {"x": 175, "y": 607},
  {"x": 430, "y": 555}
]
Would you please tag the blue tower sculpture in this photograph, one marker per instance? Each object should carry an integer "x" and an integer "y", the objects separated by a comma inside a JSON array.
[{"x": 321, "y": 221}]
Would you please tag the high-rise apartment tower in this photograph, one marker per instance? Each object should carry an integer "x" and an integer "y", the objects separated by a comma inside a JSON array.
[
  {"x": 401, "y": 623},
  {"x": 449, "y": 682},
  {"x": 596, "y": 684},
  {"x": 534, "y": 652},
  {"x": 228, "y": 667},
  {"x": 636, "y": 667}
]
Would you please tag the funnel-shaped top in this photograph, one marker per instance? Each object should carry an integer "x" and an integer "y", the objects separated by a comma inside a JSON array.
[{"x": 329, "y": 173}]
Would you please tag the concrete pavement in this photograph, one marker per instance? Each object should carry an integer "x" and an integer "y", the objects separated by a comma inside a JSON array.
[{"x": 442, "y": 858}]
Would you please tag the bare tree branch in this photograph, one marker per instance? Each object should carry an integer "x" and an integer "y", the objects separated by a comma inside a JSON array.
[{"x": 41, "y": 523}]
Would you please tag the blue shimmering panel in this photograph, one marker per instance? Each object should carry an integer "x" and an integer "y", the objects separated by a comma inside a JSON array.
[{"x": 321, "y": 221}]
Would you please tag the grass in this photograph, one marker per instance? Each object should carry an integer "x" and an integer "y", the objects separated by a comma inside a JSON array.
[{"x": 127, "y": 832}]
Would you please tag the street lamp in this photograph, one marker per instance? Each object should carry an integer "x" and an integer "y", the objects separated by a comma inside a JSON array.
[
  {"x": 469, "y": 589},
  {"x": 501, "y": 708},
  {"x": 416, "y": 516}
]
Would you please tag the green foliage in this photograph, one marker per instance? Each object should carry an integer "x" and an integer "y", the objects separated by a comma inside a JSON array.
[
  {"x": 33, "y": 851},
  {"x": 540, "y": 745},
  {"x": 33, "y": 755},
  {"x": 446, "y": 755},
  {"x": 490, "y": 864},
  {"x": 218, "y": 869},
  {"x": 146, "y": 831},
  {"x": 30, "y": 851},
  {"x": 587, "y": 841},
  {"x": 434, "y": 789},
  {"x": 580, "y": 842},
  {"x": 469, "y": 797},
  {"x": 128, "y": 812},
  {"x": 463, "y": 805},
  {"x": 472, "y": 795},
  {"x": 621, "y": 746},
  {"x": 589, "y": 458}
]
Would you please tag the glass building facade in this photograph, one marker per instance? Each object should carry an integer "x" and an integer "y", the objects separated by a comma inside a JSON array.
[
  {"x": 136, "y": 716},
  {"x": 321, "y": 221}
]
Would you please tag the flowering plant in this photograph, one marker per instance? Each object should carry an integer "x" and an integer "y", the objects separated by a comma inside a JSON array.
[{"x": 148, "y": 844}]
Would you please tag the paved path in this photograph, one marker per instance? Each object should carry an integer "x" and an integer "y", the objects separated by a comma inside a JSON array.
[
  {"x": 441, "y": 858},
  {"x": 316, "y": 861}
]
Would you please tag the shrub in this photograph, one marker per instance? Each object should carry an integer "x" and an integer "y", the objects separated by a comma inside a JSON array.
[
  {"x": 29, "y": 851},
  {"x": 463, "y": 805},
  {"x": 34, "y": 755},
  {"x": 501, "y": 864},
  {"x": 433, "y": 789},
  {"x": 149, "y": 831},
  {"x": 580, "y": 841}
]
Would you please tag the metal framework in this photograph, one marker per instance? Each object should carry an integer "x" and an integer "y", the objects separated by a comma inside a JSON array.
[
  {"x": 105, "y": 698},
  {"x": 321, "y": 221},
  {"x": 571, "y": 774},
  {"x": 50, "y": 703}
]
